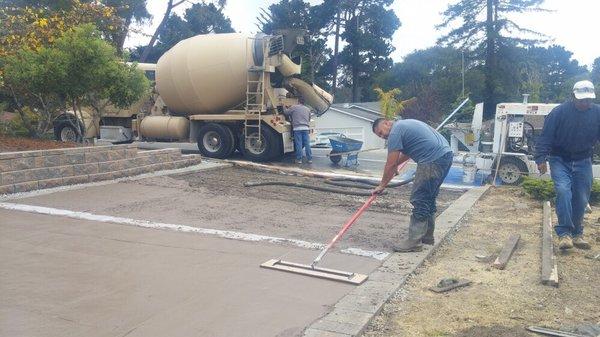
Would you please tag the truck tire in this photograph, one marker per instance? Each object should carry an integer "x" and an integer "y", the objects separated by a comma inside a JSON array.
[
  {"x": 66, "y": 132},
  {"x": 65, "y": 129},
  {"x": 215, "y": 141},
  {"x": 271, "y": 145},
  {"x": 512, "y": 170}
]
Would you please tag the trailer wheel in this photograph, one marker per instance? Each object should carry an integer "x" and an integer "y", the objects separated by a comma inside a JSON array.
[
  {"x": 215, "y": 141},
  {"x": 268, "y": 147},
  {"x": 511, "y": 170}
]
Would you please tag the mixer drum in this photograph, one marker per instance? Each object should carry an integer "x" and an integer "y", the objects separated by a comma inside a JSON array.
[{"x": 205, "y": 74}]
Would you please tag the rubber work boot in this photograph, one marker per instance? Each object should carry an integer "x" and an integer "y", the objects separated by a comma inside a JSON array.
[
  {"x": 428, "y": 238},
  {"x": 565, "y": 242},
  {"x": 416, "y": 230},
  {"x": 580, "y": 243}
]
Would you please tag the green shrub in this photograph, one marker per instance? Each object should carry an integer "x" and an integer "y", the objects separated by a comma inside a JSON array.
[
  {"x": 595, "y": 195},
  {"x": 543, "y": 189},
  {"x": 539, "y": 189}
]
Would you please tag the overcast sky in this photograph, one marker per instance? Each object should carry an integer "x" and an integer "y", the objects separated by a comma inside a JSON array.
[{"x": 572, "y": 23}]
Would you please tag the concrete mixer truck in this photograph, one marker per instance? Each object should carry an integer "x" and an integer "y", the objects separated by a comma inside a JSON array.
[{"x": 226, "y": 92}]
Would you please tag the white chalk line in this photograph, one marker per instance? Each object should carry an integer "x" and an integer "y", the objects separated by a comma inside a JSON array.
[{"x": 185, "y": 229}]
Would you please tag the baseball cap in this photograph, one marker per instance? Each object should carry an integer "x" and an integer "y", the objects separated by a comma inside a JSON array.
[{"x": 584, "y": 89}]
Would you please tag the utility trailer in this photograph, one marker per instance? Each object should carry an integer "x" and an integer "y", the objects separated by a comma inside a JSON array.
[{"x": 503, "y": 146}]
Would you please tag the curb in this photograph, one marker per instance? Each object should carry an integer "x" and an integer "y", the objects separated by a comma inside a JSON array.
[{"x": 353, "y": 313}]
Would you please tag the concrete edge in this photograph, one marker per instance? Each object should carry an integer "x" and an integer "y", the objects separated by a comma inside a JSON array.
[
  {"x": 352, "y": 314},
  {"x": 204, "y": 166}
]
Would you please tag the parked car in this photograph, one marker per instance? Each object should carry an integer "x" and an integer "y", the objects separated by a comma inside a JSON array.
[{"x": 322, "y": 139}]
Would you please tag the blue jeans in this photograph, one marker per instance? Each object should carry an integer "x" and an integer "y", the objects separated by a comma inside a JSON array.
[
  {"x": 302, "y": 140},
  {"x": 572, "y": 184},
  {"x": 426, "y": 186}
]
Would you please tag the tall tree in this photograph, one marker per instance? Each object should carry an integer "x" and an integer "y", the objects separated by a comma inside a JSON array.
[
  {"x": 203, "y": 18},
  {"x": 432, "y": 76},
  {"x": 557, "y": 70},
  {"x": 596, "y": 73},
  {"x": 488, "y": 36},
  {"x": 130, "y": 11},
  {"x": 148, "y": 49},
  {"x": 368, "y": 29},
  {"x": 200, "y": 18},
  {"x": 317, "y": 21},
  {"x": 79, "y": 69}
]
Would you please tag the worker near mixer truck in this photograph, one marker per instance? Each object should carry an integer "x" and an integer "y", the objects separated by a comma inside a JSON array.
[
  {"x": 300, "y": 118},
  {"x": 413, "y": 139},
  {"x": 567, "y": 142}
]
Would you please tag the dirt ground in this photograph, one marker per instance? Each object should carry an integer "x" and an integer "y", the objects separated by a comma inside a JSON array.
[
  {"x": 499, "y": 303},
  {"x": 8, "y": 144}
]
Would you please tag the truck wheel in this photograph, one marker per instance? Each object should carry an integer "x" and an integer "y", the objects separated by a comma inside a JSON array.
[
  {"x": 267, "y": 148},
  {"x": 215, "y": 140},
  {"x": 512, "y": 170},
  {"x": 67, "y": 133}
]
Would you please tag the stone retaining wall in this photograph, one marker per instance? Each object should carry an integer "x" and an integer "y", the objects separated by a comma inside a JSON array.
[{"x": 30, "y": 170}]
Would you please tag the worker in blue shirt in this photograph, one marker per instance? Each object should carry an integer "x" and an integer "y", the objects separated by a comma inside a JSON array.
[
  {"x": 567, "y": 142},
  {"x": 413, "y": 139}
]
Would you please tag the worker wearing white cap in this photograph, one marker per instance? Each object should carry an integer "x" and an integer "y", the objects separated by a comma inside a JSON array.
[{"x": 567, "y": 142}]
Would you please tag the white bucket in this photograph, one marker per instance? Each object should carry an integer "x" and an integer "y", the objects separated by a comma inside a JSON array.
[{"x": 469, "y": 172}]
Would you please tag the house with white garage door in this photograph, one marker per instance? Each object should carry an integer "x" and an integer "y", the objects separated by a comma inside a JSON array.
[{"x": 353, "y": 120}]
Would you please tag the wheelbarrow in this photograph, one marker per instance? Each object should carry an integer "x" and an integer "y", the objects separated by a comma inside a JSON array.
[{"x": 343, "y": 146}]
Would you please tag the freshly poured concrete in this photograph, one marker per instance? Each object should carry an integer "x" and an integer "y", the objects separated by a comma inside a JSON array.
[
  {"x": 217, "y": 199},
  {"x": 67, "y": 277}
]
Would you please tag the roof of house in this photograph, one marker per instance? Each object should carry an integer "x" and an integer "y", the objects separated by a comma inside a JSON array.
[{"x": 369, "y": 111}]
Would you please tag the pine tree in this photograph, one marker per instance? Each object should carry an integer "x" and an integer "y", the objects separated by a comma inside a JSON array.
[
  {"x": 486, "y": 29},
  {"x": 596, "y": 74},
  {"x": 368, "y": 29},
  {"x": 316, "y": 20}
]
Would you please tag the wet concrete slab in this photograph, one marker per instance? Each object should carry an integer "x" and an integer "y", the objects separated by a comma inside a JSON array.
[
  {"x": 69, "y": 277},
  {"x": 217, "y": 199}
]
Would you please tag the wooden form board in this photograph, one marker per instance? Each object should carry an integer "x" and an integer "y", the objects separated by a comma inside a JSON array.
[
  {"x": 509, "y": 247},
  {"x": 549, "y": 267}
]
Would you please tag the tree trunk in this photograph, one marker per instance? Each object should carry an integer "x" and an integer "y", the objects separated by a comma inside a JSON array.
[
  {"x": 490, "y": 31},
  {"x": 352, "y": 23},
  {"x": 120, "y": 38},
  {"x": 31, "y": 130},
  {"x": 335, "y": 52},
  {"x": 311, "y": 74},
  {"x": 78, "y": 119},
  {"x": 355, "y": 81},
  {"x": 148, "y": 48}
]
